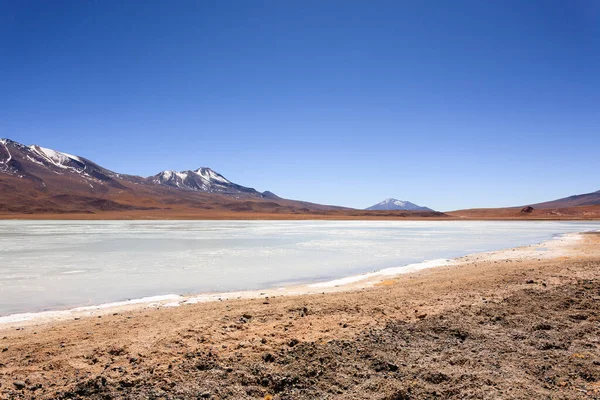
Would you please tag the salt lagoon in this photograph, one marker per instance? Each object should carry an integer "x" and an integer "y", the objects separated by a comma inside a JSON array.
[{"x": 53, "y": 265}]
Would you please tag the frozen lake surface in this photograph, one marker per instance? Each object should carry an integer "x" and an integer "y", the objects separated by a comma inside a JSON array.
[{"x": 49, "y": 265}]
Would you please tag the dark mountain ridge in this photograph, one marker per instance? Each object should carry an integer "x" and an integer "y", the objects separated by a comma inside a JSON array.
[{"x": 586, "y": 199}]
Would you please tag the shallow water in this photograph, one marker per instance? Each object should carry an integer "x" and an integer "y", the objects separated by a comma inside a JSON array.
[{"x": 49, "y": 265}]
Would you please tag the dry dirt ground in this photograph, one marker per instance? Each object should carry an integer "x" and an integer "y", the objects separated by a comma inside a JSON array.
[{"x": 485, "y": 329}]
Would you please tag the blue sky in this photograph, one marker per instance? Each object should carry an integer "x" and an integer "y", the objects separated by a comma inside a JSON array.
[{"x": 447, "y": 104}]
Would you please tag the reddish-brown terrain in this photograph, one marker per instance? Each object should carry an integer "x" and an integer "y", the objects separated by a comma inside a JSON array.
[
  {"x": 583, "y": 206},
  {"x": 40, "y": 183},
  {"x": 587, "y": 199},
  {"x": 563, "y": 213}
]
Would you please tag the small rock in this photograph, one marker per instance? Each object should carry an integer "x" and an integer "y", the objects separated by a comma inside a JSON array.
[
  {"x": 392, "y": 367},
  {"x": 35, "y": 387},
  {"x": 293, "y": 342},
  {"x": 529, "y": 282},
  {"x": 19, "y": 385},
  {"x": 578, "y": 317},
  {"x": 205, "y": 395},
  {"x": 247, "y": 316},
  {"x": 542, "y": 327}
]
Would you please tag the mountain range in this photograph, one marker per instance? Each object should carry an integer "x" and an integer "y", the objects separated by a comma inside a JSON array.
[
  {"x": 35, "y": 180},
  {"x": 32, "y": 162}
]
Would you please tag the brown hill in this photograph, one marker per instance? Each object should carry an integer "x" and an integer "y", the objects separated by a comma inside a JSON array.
[
  {"x": 520, "y": 213},
  {"x": 582, "y": 206},
  {"x": 587, "y": 199}
]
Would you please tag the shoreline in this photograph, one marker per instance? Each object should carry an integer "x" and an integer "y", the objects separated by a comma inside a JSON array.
[
  {"x": 514, "y": 323},
  {"x": 297, "y": 217},
  {"x": 552, "y": 248}
]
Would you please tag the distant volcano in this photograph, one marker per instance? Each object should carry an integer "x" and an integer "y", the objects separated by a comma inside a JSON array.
[{"x": 394, "y": 204}]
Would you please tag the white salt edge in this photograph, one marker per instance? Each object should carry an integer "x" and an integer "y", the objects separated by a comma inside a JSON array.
[
  {"x": 65, "y": 313},
  {"x": 384, "y": 272}
]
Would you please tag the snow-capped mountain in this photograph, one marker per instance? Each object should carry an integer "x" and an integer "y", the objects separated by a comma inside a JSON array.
[
  {"x": 394, "y": 204},
  {"x": 33, "y": 162},
  {"x": 202, "y": 180}
]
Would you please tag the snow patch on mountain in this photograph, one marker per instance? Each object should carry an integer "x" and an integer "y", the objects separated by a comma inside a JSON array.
[
  {"x": 210, "y": 175},
  {"x": 9, "y": 156},
  {"x": 55, "y": 157}
]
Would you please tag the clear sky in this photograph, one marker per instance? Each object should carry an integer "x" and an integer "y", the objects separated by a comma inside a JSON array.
[{"x": 448, "y": 104}]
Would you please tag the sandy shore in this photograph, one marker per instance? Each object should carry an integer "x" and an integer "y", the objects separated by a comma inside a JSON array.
[{"x": 517, "y": 323}]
